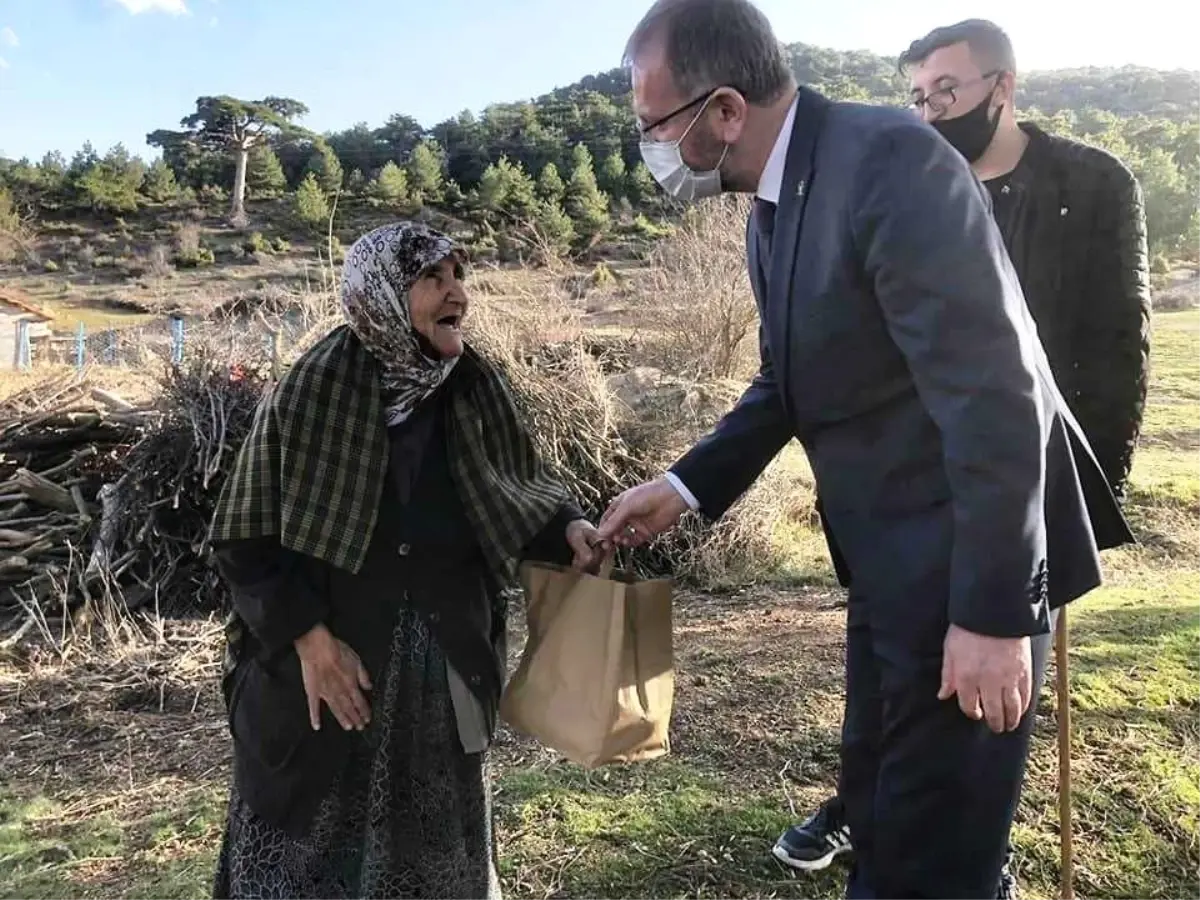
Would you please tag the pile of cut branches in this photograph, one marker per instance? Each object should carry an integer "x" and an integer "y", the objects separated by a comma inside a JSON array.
[
  {"x": 158, "y": 511},
  {"x": 103, "y": 499},
  {"x": 60, "y": 440}
]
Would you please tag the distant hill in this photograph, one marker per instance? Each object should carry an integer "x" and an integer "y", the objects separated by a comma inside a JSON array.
[
  {"x": 862, "y": 75},
  {"x": 568, "y": 161}
]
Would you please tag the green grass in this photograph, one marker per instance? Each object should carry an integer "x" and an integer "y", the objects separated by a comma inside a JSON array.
[
  {"x": 662, "y": 829},
  {"x": 49, "y": 849}
]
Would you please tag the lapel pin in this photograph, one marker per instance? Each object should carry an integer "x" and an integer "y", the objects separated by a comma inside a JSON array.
[{"x": 800, "y": 189}]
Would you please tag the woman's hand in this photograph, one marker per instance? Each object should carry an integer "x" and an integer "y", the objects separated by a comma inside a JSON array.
[
  {"x": 333, "y": 672},
  {"x": 585, "y": 542}
]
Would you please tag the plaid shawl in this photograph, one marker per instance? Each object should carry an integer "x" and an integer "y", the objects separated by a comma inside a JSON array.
[{"x": 313, "y": 469}]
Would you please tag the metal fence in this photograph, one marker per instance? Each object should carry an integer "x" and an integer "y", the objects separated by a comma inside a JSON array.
[{"x": 163, "y": 341}]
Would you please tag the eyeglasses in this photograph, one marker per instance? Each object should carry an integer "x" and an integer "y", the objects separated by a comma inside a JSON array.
[
  {"x": 703, "y": 98},
  {"x": 941, "y": 100}
]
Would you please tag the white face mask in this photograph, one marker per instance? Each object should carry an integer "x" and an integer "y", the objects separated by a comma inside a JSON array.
[{"x": 664, "y": 159}]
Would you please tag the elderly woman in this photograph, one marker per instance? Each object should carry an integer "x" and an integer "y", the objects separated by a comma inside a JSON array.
[{"x": 381, "y": 503}]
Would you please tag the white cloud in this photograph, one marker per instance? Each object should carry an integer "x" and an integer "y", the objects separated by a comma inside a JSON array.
[
  {"x": 8, "y": 37},
  {"x": 172, "y": 7},
  {"x": 3, "y": 64}
]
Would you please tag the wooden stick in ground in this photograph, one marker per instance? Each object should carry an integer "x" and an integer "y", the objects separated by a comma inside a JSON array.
[{"x": 1065, "y": 825}]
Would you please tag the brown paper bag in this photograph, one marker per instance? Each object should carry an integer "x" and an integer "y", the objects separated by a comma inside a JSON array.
[{"x": 596, "y": 681}]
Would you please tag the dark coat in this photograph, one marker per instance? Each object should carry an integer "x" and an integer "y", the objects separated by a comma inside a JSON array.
[
  {"x": 1074, "y": 223},
  {"x": 423, "y": 553},
  {"x": 896, "y": 345}
]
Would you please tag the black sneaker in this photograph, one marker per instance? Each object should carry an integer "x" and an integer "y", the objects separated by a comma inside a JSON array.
[{"x": 813, "y": 845}]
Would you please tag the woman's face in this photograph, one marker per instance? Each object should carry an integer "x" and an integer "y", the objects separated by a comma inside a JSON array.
[{"x": 438, "y": 305}]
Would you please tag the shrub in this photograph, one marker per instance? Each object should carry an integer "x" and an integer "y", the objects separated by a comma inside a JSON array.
[
  {"x": 256, "y": 243},
  {"x": 601, "y": 437},
  {"x": 202, "y": 257},
  {"x": 158, "y": 262},
  {"x": 212, "y": 195},
  {"x": 335, "y": 250},
  {"x": 702, "y": 298},
  {"x": 189, "y": 252}
]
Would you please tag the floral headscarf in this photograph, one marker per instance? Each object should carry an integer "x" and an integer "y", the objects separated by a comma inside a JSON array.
[{"x": 379, "y": 270}]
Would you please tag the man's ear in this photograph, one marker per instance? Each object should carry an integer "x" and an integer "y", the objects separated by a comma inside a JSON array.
[
  {"x": 730, "y": 108},
  {"x": 1006, "y": 90}
]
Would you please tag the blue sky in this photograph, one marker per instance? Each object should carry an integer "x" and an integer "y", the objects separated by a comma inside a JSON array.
[{"x": 113, "y": 70}]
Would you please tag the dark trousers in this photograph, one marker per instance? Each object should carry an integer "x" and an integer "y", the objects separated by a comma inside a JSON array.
[{"x": 929, "y": 794}]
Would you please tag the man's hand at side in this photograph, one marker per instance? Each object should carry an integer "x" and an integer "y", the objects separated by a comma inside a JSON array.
[
  {"x": 993, "y": 677},
  {"x": 642, "y": 513}
]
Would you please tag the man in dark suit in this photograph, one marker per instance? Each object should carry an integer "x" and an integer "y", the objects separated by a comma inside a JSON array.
[
  {"x": 1073, "y": 222},
  {"x": 897, "y": 347}
]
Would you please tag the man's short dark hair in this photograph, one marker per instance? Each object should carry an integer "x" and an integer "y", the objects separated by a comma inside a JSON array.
[
  {"x": 715, "y": 43},
  {"x": 989, "y": 45}
]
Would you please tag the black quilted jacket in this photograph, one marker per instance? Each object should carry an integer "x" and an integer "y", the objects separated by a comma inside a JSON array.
[{"x": 1075, "y": 227}]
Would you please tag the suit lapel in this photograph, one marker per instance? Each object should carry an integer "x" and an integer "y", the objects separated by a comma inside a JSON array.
[
  {"x": 811, "y": 109},
  {"x": 754, "y": 262}
]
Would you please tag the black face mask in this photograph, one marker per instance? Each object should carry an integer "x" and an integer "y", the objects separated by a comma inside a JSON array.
[{"x": 971, "y": 133}]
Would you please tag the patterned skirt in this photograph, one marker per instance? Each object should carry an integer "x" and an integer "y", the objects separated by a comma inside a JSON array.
[{"x": 408, "y": 816}]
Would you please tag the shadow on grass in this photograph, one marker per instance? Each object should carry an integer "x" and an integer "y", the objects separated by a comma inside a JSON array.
[
  {"x": 1126, "y": 632},
  {"x": 1137, "y": 660},
  {"x": 654, "y": 830}
]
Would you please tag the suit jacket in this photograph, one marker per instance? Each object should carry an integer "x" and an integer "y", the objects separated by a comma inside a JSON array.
[{"x": 897, "y": 346}]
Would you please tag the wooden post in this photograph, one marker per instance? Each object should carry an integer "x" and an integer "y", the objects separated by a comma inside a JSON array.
[
  {"x": 23, "y": 350},
  {"x": 80, "y": 347},
  {"x": 1065, "y": 824},
  {"x": 177, "y": 340},
  {"x": 275, "y": 354}
]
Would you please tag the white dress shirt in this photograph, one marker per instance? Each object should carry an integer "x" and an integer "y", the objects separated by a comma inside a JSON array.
[{"x": 770, "y": 185}]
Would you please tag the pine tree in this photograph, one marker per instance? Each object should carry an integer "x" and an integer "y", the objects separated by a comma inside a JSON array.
[
  {"x": 612, "y": 175},
  {"x": 264, "y": 173},
  {"x": 550, "y": 185},
  {"x": 585, "y": 203},
  {"x": 555, "y": 226},
  {"x": 453, "y": 197},
  {"x": 356, "y": 183},
  {"x": 507, "y": 190},
  {"x": 310, "y": 203},
  {"x": 159, "y": 182},
  {"x": 391, "y": 185},
  {"x": 425, "y": 172},
  {"x": 111, "y": 184},
  {"x": 642, "y": 189},
  {"x": 489, "y": 194},
  {"x": 325, "y": 165}
]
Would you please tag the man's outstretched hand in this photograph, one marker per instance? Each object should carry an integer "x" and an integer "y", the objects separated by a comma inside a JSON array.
[{"x": 642, "y": 513}]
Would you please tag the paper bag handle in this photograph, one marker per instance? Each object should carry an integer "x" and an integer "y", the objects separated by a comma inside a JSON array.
[{"x": 604, "y": 570}]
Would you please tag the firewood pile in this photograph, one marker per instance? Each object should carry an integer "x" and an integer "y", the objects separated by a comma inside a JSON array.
[{"x": 103, "y": 498}]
